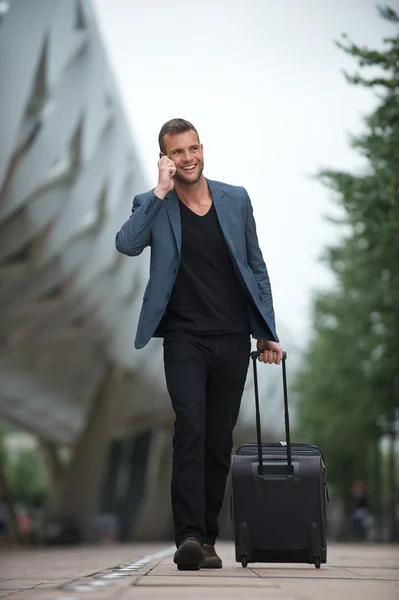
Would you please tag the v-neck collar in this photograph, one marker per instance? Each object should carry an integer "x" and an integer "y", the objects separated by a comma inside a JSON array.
[{"x": 193, "y": 212}]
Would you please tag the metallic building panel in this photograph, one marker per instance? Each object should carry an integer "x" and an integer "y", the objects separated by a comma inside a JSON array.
[
  {"x": 68, "y": 171},
  {"x": 69, "y": 303}
]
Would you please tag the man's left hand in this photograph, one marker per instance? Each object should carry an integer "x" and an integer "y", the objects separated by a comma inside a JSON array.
[{"x": 272, "y": 352}]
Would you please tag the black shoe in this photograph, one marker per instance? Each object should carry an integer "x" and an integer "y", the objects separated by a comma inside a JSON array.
[
  {"x": 210, "y": 559},
  {"x": 188, "y": 555}
]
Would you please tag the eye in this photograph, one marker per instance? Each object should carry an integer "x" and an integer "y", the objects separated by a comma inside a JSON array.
[{"x": 194, "y": 148}]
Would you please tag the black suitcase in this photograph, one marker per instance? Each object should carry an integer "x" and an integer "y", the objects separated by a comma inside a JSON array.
[{"x": 278, "y": 503}]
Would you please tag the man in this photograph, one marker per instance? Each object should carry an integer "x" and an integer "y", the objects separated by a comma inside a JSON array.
[{"x": 208, "y": 292}]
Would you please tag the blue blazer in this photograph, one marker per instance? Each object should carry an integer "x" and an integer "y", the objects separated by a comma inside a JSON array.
[{"x": 156, "y": 223}]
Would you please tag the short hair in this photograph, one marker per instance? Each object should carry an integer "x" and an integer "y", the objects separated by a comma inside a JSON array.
[{"x": 174, "y": 126}]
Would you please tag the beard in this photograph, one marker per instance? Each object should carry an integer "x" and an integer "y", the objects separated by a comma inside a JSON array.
[{"x": 189, "y": 181}]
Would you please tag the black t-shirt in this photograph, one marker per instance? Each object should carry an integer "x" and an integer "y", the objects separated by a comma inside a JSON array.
[{"x": 207, "y": 298}]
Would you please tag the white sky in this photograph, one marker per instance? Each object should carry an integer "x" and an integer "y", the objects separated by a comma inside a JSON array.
[{"x": 262, "y": 82}]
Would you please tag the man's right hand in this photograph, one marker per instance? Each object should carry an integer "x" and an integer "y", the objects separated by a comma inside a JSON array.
[{"x": 166, "y": 183}]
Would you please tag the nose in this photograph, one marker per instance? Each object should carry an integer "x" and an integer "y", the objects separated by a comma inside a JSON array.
[{"x": 187, "y": 156}]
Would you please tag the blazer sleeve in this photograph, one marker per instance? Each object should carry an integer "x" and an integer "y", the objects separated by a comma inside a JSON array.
[
  {"x": 256, "y": 262},
  {"x": 135, "y": 234}
]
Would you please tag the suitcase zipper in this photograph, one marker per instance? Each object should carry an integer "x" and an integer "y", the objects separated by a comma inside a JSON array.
[{"x": 311, "y": 449}]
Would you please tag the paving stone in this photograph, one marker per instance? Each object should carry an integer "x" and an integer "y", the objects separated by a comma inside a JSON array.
[
  {"x": 376, "y": 573},
  {"x": 373, "y": 556},
  {"x": 308, "y": 573},
  {"x": 20, "y": 584},
  {"x": 230, "y": 571},
  {"x": 48, "y": 595},
  {"x": 42, "y": 595},
  {"x": 341, "y": 589},
  {"x": 182, "y": 579},
  {"x": 208, "y": 593}
]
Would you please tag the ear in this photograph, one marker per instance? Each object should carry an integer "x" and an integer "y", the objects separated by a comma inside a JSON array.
[{"x": 161, "y": 154}]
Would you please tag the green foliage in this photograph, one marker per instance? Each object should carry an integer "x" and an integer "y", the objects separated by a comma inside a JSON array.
[
  {"x": 346, "y": 387},
  {"x": 2, "y": 447},
  {"x": 26, "y": 480}
]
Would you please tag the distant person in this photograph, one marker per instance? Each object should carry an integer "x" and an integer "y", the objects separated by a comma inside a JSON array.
[
  {"x": 208, "y": 291},
  {"x": 3, "y": 518},
  {"x": 358, "y": 511}
]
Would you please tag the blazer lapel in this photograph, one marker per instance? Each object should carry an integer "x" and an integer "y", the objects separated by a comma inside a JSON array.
[
  {"x": 172, "y": 206},
  {"x": 222, "y": 211}
]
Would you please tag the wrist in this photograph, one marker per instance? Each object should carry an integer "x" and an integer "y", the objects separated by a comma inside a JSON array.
[{"x": 160, "y": 192}]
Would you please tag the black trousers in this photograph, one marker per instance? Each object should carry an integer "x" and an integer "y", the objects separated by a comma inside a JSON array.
[{"x": 205, "y": 377}]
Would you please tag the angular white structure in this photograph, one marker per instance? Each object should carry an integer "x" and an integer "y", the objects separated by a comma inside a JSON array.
[{"x": 68, "y": 172}]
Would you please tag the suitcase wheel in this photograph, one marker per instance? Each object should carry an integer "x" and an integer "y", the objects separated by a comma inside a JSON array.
[
  {"x": 244, "y": 561},
  {"x": 317, "y": 562}
]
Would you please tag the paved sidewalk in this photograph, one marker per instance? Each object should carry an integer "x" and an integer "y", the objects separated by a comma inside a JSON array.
[{"x": 140, "y": 572}]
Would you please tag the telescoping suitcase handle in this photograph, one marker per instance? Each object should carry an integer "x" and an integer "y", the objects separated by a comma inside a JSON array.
[{"x": 255, "y": 355}]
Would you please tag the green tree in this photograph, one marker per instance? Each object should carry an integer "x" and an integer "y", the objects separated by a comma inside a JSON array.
[
  {"x": 26, "y": 478},
  {"x": 347, "y": 396},
  {"x": 5, "y": 494}
]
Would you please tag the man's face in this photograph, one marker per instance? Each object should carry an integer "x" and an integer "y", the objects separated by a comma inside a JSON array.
[{"x": 187, "y": 154}]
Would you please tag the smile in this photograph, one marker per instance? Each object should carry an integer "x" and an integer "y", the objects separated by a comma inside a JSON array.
[{"x": 189, "y": 168}]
